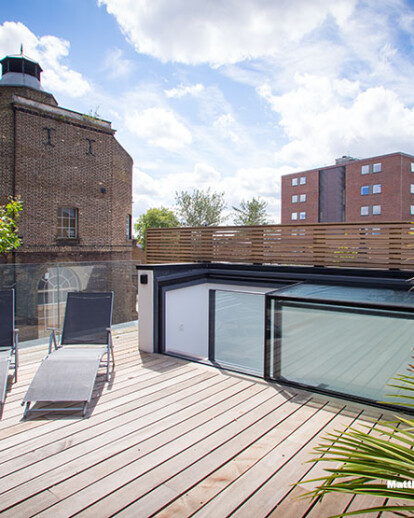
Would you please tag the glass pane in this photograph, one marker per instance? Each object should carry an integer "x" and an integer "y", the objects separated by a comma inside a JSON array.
[
  {"x": 354, "y": 352},
  {"x": 41, "y": 290},
  {"x": 239, "y": 330},
  {"x": 326, "y": 292}
]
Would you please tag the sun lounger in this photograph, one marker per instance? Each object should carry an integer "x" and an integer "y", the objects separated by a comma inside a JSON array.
[
  {"x": 8, "y": 342},
  {"x": 68, "y": 372}
]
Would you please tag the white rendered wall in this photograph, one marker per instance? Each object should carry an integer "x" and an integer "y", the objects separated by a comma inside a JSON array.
[
  {"x": 146, "y": 312},
  {"x": 186, "y": 318}
]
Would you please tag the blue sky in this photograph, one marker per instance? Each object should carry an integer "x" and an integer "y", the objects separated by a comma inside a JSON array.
[{"x": 227, "y": 94}]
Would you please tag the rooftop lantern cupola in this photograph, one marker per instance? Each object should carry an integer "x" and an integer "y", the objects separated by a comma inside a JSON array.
[{"x": 19, "y": 70}]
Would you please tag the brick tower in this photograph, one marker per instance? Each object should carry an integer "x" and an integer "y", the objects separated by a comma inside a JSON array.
[{"x": 74, "y": 178}]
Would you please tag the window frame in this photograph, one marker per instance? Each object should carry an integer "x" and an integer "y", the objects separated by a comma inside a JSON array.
[
  {"x": 374, "y": 191},
  {"x": 367, "y": 210},
  {"x": 302, "y": 215},
  {"x": 295, "y": 198},
  {"x": 367, "y": 187},
  {"x": 376, "y": 210},
  {"x": 302, "y": 180},
  {"x": 65, "y": 228},
  {"x": 294, "y": 216},
  {"x": 365, "y": 169},
  {"x": 295, "y": 182},
  {"x": 377, "y": 167},
  {"x": 302, "y": 198}
]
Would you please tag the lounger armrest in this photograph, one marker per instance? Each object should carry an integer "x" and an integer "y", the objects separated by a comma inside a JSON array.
[{"x": 52, "y": 340}]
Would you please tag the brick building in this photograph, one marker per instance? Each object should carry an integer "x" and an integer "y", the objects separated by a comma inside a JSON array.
[
  {"x": 75, "y": 182},
  {"x": 373, "y": 189},
  {"x": 74, "y": 178}
]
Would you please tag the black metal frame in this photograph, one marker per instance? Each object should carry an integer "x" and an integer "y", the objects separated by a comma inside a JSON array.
[
  {"x": 344, "y": 306},
  {"x": 172, "y": 276}
]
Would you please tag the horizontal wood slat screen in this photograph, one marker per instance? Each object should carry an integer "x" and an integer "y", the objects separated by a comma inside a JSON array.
[{"x": 379, "y": 245}]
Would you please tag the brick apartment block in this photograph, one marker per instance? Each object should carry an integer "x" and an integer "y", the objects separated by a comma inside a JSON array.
[
  {"x": 74, "y": 178},
  {"x": 373, "y": 189}
]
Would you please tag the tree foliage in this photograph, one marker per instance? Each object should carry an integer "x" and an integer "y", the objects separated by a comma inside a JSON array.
[
  {"x": 155, "y": 218},
  {"x": 200, "y": 208},
  {"x": 251, "y": 212},
  {"x": 9, "y": 217}
]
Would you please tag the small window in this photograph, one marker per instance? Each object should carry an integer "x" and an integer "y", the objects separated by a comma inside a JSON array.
[
  {"x": 294, "y": 181},
  {"x": 67, "y": 223},
  {"x": 376, "y": 168},
  {"x": 376, "y": 209},
  {"x": 364, "y": 211},
  {"x": 364, "y": 190},
  {"x": 302, "y": 180},
  {"x": 412, "y": 167},
  {"x": 302, "y": 215},
  {"x": 129, "y": 226},
  {"x": 412, "y": 210},
  {"x": 376, "y": 189},
  {"x": 295, "y": 198},
  {"x": 365, "y": 169},
  {"x": 302, "y": 198},
  {"x": 294, "y": 215},
  {"x": 412, "y": 188}
]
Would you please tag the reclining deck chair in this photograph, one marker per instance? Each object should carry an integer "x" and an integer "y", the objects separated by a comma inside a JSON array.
[
  {"x": 69, "y": 371},
  {"x": 8, "y": 343}
]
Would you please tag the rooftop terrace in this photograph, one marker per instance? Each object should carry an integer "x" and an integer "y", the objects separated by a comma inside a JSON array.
[{"x": 167, "y": 437}]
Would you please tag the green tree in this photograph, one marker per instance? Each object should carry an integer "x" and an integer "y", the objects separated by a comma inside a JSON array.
[
  {"x": 155, "y": 218},
  {"x": 9, "y": 217},
  {"x": 200, "y": 208},
  {"x": 253, "y": 212}
]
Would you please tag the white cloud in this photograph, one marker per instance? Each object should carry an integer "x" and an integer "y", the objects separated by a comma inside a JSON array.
[
  {"x": 325, "y": 118},
  {"x": 160, "y": 128},
  {"x": 182, "y": 90},
  {"x": 218, "y": 32},
  {"x": 116, "y": 65},
  {"x": 49, "y": 52},
  {"x": 226, "y": 125},
  {"x": 244, "y": 184}
]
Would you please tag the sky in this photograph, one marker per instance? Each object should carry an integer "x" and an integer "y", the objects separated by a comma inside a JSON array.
[{"x": 227, "y": 95}]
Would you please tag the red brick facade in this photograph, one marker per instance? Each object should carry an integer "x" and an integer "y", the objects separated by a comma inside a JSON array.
[
  {"x": 55, "y": 158},
  {"x": 374, "y": 189}
]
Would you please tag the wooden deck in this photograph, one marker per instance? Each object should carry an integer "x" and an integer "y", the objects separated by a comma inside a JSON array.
[{"x": 168, "y": 438}]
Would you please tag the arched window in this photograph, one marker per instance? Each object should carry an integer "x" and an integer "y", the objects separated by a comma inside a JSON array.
[{"x": 52, "y": 289}]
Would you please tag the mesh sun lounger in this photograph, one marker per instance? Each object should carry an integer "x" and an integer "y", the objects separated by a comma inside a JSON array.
[
  {"x": 8, "y": 342},
  {"x": 68, "y": 372}
]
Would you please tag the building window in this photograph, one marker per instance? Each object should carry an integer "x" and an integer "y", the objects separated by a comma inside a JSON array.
[
  {"x": 67, "y": 223},
  {"x": 302, "y": 198},
  {"x": 376, "y": 189},
  {"x": 294, "y": 215},
  {"x": 412, "y": 210},
  {"x": 294, "y": 181},
  {"x": 302, "y": 215},
  {"x": 376, "y": 209},
  {"x": 364, "y": 211},
  {"x": 376, "y": 168},
  {"x": 412, "y": 188},
  {"x": 412, "y": 167},
  {"x": 295, "y": 198},
  {"x": 129, "y": 226},
  {"x": 364, "y": 190},
  {"x": 302, "y": 180},
  {"x": 365, "y": 169}
]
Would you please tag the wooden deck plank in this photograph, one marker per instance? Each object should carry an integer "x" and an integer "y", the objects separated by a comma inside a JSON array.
[{"x": 167, "y": 438}]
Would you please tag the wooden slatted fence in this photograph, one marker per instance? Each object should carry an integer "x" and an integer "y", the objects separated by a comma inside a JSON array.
[{"x": 373, "y": 245}]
